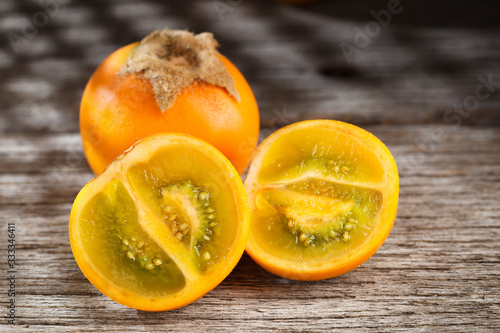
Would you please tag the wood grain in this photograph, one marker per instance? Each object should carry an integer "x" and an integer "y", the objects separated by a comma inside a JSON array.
[{"x": 439, "y": 270}]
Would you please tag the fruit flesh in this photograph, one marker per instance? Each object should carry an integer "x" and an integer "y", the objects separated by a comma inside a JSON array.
[
  {"x": 122, "y": 225},
  {"x": 323, "y": 198},
  {"x": 149, "y": 179},
  {"x": 320, "y": 216},
  {"x": 110, "y": 230},
  {"x": 311, "y": 150}
]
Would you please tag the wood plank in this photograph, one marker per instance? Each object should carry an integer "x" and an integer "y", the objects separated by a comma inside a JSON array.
[{"x": 438, "y": 270}]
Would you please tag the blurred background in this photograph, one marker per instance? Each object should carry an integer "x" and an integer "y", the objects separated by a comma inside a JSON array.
[
  {"x": 346, "y": 60},
  {"x": 422, "y": 75}
]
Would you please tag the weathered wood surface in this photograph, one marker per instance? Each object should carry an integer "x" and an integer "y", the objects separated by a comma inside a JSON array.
[{"x": 439, "y": 270}]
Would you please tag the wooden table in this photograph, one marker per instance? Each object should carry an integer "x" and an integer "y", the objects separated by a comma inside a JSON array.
[{"x": 439, "y": 270}]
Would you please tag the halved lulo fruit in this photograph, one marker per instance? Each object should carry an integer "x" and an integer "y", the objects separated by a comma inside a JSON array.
[
  {"x": 163, "y": 224},
  {"x": 323, "y": 198}
]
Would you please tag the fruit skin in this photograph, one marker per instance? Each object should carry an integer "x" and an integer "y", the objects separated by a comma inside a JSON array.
[
  {"x": 200, "y": 285},
  {"x": 296, "y": 271},
  {"x": 116, "y": 111}
]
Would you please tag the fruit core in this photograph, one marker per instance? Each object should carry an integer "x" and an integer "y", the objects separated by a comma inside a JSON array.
[{"x": 314, "y": 206}]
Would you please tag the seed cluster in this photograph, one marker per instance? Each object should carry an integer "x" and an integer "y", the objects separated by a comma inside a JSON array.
[
  {"x": 180, "y": 226},
  {"x": 304, "y": 237},
  {"x": 209, "y": 217},
  {"x": 334, "y": 230},
  {"x": 308, "y": 237},
  {"x": 348, "y": 226},
  {"x": 336, "y": 167},
  {"x": 139, "y": 250}
]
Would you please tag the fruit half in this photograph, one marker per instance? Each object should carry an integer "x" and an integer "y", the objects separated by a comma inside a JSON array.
[
  {"x": 163, "y": 225},
  {"x": 323, "y": 198}
]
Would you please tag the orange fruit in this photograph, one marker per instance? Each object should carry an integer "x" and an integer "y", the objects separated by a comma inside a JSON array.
[
  {"x": 323, "y": 198},
  {"x": 175, "y": 90},
  {"x": 163, "y": 225}
]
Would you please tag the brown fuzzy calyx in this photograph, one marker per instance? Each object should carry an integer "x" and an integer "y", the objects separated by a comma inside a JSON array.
[{"x": 173, "y": 59}]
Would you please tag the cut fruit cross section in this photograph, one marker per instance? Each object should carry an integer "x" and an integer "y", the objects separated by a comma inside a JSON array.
[
  {"x": 162, "y": 225},
  {"x": 323, "y": 198}
]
